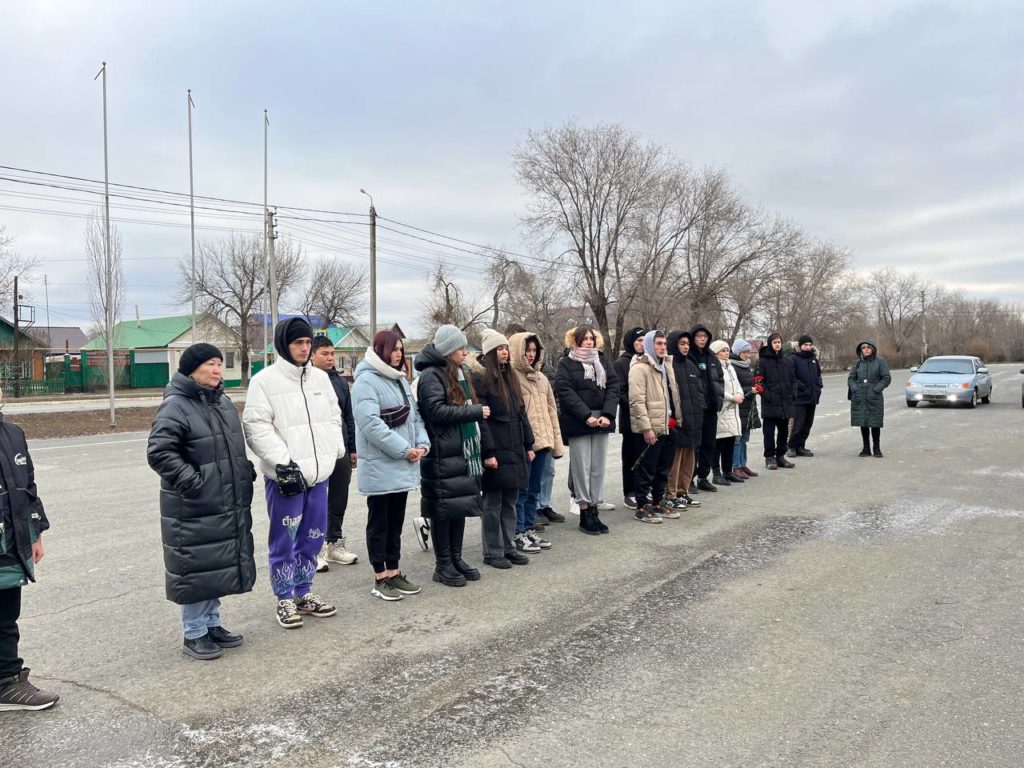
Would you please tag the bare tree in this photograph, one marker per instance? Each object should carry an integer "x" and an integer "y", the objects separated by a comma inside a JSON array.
[
  {"x": 335, "y": 292},
  {"x": 898, "y": 305},
  {"x": 96, "y": 273},
  {"x": 11, "y": 263},
  {"x": 587, "y": 187},
  {"x": 449, "y": 305},
  {"x": 231, "y": 282}
]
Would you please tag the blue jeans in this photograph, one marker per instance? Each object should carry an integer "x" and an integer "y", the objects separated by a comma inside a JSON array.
[
  {"x": 547, "y": 484},
  {"x": 528, "y": 500},
  {"x": 739, "y": 453},
  {"x": 196, "y": 618}
]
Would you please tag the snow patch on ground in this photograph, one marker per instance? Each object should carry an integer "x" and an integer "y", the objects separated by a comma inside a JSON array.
[
  {"x": 909, "y": 519},
  {"x": 1000, "y": 471}
]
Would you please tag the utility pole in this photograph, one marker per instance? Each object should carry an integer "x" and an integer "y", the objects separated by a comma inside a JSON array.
[
  {"x": 924, "y": 336},
  {"x": 46, "y": 289},
  {"x": 192, "y": 212},
  {"x": 15, "y": 368},
  {"x": 266, "y": 249},
  {"x": 271, "y": 237},
  {"x": 106, "y": 252},
  {"x": 373, "y": 266}
]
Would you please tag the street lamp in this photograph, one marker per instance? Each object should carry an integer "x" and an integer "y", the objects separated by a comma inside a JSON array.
[{"x": 373, "y": 266}]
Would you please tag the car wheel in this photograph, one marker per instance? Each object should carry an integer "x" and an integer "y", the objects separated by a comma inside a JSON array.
[
  {"x": 974, "y": 399},
  {"x": 987, "y": 399},
  {"x": 913, "y": 403}
]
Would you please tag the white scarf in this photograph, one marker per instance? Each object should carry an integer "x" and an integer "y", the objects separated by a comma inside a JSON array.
[{"x": 589, "y": 358}]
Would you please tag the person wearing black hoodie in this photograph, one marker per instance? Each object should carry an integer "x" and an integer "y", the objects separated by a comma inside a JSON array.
[
  {"x": 632, "y": 443},
  {"x": 774, "y": 381},
  {"x": 713, "y": 382},
  {"x": 691, "y": 422},
  {"x": 807, "y": 377}
]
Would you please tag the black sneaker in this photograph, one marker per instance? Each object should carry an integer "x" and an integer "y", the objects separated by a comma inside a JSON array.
[
  {"x": 630, "y": 501},
  {"x": 877, "y": 453},
  {"x": 865, "y": 452},
  {"x": 497, "y": 561},
  {"x": 202, "y": 648},
  {"x": 705, "y": 485},
  {"x": 804, "y": 452},
  {"x": 223, "y": 638},
  {"x": 17, "y": 693},
  {"x": 784, "y": 463},
  {"x": 517, "y": 558},
  {"x": 792, "y": 453},
  {"x": 721, "y": 480},
  {"x": 551, "y": 515},
  {"x": 690, "y": 501}
]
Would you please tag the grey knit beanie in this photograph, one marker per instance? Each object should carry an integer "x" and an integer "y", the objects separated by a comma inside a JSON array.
[{"x": 448, "y": 338}]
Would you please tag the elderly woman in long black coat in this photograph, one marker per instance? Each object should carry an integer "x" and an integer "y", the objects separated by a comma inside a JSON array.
[{"x": 197, "y": 447}]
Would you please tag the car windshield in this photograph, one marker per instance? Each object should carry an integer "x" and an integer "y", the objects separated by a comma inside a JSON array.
[{"x": 947, "y": 366}]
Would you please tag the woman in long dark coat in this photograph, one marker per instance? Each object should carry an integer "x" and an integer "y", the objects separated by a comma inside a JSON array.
[
  {"x": 450, "y": 474},
  {"x": 867, "y": 381},
  {"x": 197, "y": 447}
]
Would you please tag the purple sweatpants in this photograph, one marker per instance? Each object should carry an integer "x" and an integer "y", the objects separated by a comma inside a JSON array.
[{"x": 297, "y": 528}]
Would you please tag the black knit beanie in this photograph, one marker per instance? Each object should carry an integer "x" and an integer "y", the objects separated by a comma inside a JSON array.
[
  {"x": 195, "y": 356},
  {"x": 805, "y": 339}
]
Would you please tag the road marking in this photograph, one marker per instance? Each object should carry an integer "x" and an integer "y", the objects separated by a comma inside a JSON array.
[{"x": 88, "y": 445}]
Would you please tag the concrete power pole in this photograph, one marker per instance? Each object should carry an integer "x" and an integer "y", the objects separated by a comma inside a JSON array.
[
  {"x": 272, "y": 265},
  {"x": 109, "y": 288},
  {"x": 15, "y": 368},
  {"x": 373, "y": 266}
]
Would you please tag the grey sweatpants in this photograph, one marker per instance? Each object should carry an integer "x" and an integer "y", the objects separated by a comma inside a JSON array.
[
  {"x": 587, "y": 456},
  {"x": 498, "y": 523}
]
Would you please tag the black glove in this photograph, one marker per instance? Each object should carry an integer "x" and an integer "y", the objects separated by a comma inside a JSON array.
[{"x": 290, "y": 480}]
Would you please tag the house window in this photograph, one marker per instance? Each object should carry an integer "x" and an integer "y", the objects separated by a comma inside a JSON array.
[{"x": 230, "y": 361}]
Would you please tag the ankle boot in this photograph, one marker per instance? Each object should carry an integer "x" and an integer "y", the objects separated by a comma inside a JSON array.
[
  {"x": 460, "y": 565},
  {"x": 444, "y": 572},
  {"x": 587, "y": 523},
  {"x": 596, "y": 520},
  {"x": 456, "y": 532}
]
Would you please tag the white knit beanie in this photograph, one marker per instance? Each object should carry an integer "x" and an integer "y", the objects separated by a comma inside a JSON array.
[
  {"x": 718, "y": 346},
  {"x": 491, "y": 339}
]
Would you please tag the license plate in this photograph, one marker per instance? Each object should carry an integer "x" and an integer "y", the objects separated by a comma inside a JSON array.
[{"x": 935, "y": 390}]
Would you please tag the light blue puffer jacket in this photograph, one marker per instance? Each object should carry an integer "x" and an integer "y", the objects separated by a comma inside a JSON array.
[{"x": 382, "y": 465}]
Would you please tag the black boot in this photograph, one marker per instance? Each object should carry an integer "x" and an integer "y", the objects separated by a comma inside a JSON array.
[
  {"x": 444, "y": 571},
  {"x": 601, "y": 527},
  {"x": 457, "y": 531},
  {"x": 587, "y": 522}
]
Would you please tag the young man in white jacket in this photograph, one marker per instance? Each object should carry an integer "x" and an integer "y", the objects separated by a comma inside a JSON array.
[{"x": 293, "y": 424}]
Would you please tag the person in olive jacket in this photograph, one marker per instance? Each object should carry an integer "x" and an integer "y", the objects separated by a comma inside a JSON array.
[
  {"x": 22, "y": 522},
  {"x": 587, "y": 391},
  {"x": 450, "y": 474},
  {"x": 774, "y": 381},
  {"x": 197, "y": 447},
  {"x": 713, "y": 382},
  {"x": 688, "y": 434},
  {"x": 867, "y": 381},
  {"x": 807, "y": 377}
]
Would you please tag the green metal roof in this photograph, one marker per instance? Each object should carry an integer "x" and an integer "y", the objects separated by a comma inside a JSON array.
[
  {"x": 153, "y": 333},
  {"x": 336, "y": 333}
]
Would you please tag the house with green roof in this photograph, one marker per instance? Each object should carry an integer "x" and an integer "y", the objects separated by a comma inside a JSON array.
[
  {"x": 350, "y": 343},
  {"x": 155, "y": 345}
]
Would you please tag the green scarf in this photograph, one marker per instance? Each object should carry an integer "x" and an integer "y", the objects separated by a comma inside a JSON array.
[{"x": 470, "y": 438}]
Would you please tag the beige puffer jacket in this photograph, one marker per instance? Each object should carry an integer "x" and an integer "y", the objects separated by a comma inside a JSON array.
[
  {"x": 537, "y": 394},
  {"x": 729, "y": 424},
  {"x": 648, "y": 406}
]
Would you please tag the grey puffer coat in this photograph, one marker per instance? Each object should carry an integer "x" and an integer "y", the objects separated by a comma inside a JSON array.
[
  {"x": 197, "y": 447},
  {"x": 867, "y": 382}
]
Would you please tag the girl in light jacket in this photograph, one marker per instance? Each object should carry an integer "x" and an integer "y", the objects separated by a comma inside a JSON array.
[
  {"x": 729, "y": 427},
  {"x": 390, "y": 441}
]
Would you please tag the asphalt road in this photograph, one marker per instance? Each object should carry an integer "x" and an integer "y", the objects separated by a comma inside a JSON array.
[{"x": 849, "y": 612}]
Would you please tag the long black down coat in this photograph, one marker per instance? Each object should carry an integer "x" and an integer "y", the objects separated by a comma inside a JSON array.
[
  {"x": 197, "y": 447},
  {"x": 712, "y": 377},
  {"x": 578, "y": 397},
  {"x": 691, "y": 394},
  {"x": 506, "y": 435},
  {"x": 775, "y": 374},
  {"x": 447, "y": 490}
]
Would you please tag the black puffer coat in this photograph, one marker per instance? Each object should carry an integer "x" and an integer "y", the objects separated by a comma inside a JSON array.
[
  {"x": 806, "y": 376},
  {"x": 578, "y": 397},
  {"x": 21, "y": 510},
  {"x": 197, "y": 448},
  {"x": 750, "y": 419},
  {"x": 691, "y": 394},
  {"x": 712, "y": 377},
  {"x": 622, "y": 363},
  {"x": 447, "y": 490},
  {"x": 775, "y": 374},
  {"x": 505, "y": 435}
]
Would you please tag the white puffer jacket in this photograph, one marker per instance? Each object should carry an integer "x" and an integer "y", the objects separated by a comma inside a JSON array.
[
  {"x": 291, "y": 414},
  {"x": 729, "y": 424}
]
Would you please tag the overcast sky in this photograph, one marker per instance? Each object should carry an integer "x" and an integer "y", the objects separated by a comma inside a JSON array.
[{"x": 891, "y": 128}]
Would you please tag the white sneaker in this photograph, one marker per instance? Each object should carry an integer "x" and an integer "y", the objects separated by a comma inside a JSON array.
[
  {"x": 524, "y": 544},
  {"x": 335, "y": 552},
  {"x": 536, "y": 539},
  {"x": 421, "y": 527},
  {"x": 605, "y": 506},
  {"x": 321, "y": 564},
  {"x": 574, "y": 506}
]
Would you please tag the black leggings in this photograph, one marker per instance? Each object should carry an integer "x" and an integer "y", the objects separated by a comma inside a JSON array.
[
  {"x": 10, "y": 609},
  {"x": 876, "y": 434},
  {"x": 384, "y": 518}
]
